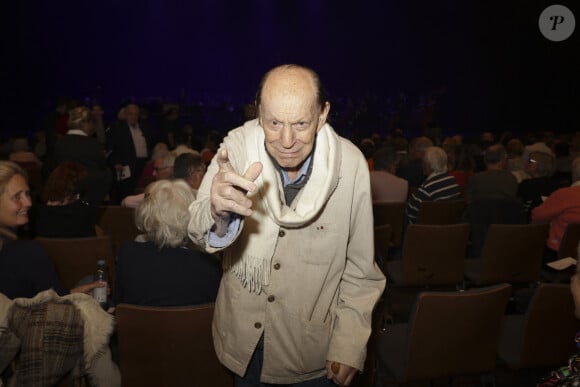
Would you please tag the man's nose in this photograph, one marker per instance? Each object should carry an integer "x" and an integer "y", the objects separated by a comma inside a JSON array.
[{"x": 287, "y": 137}]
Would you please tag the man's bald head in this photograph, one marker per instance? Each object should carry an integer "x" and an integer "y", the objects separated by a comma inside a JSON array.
[{"x": 291, "y": 72}]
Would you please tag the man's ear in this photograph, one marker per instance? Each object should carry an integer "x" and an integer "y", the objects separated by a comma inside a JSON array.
[{"x": 323, "y": 116}]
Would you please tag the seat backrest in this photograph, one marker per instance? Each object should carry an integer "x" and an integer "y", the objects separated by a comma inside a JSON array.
[
  {"x": 393, "y": 214},
  {"x": 441, "y": 212},
  {"x": 549, "y": 327},
  {"x": 382, "y": 236},
  {"x": 513, "y": 253},
  {"x": 484, "y": 212},
  {"x": 75, "y": 258},
  {"x": 165, "y": 347},
  {"x": 119, "y": 223},
  {"x": 434, "y": 254},
  {"x": 454, "y": 333},
  {"x": 569, "y": 243}
]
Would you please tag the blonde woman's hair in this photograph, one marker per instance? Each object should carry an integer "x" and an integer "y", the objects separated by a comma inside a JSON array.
[
  {"x": 164, "y": 213},
  {"x": 7, "y": 170},
  {"x": 78, "y": 116}
]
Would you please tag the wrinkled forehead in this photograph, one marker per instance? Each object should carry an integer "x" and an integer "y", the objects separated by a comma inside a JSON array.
[{"x": 289, "y": 92}]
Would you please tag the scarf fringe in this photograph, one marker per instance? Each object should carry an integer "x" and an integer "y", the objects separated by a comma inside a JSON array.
[{"x": 252, "y": 271}]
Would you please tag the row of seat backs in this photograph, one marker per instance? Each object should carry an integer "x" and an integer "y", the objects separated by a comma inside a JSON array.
[
  {"x": 456, "y": 333},
  {"x": 75, "y": 258},
  {"x": 435, "y": 255}
]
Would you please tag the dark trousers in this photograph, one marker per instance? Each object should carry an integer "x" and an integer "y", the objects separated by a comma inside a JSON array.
[{"x": 252, "y": 377}]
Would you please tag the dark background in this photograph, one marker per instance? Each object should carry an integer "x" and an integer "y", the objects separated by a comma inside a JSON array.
[{"x": 486, "y": 61}]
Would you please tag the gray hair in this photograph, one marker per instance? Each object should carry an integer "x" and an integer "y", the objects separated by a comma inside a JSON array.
[
  {"x": 164, "y": 213},
  {"x": 544, "y": 163},
  {"x": 436, "y": 159},
  {"x": 495, "y": 154}
]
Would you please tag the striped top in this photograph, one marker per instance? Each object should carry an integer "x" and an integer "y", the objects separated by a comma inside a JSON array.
[{"x": 437, "y": 187}]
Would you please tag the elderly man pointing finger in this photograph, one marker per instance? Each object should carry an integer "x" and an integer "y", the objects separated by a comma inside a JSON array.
[{"x": 288, "y": 202}]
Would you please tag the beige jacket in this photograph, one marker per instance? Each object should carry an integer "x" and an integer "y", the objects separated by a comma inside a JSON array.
[{"x": 316, "y": 296}]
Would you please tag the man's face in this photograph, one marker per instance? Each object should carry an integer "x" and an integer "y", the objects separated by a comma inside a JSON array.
[
  {"x": 161, "y": 171},
  {"x": 197, "y": 177},
  {"x": 132, "y": 114},
  {"x": 291, "y": 117}
]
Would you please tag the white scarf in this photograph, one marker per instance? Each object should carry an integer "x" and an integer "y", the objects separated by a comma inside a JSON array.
[{"x": 251, "y": 257}]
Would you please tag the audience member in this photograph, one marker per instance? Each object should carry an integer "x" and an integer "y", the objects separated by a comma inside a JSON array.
[
  {"x": 100, "y": 127},
  {"x": 385, "y": 186},
  {"x": 460, "y": 163},
  {"x": 163, "y": 270},
  {"x": 516, "y": 164},
  {"x": 191, "y": 168},
  {"x": 162, "y": 169},
  {"x": 496, "y": 182},
  {"x": 79, "y": 145},
  {"x": 159, "y": 151},
  {"x": 129, "y": 143},
  {"x": 439, "y": 184},
  {"x": 22, "y": 155},
  {"x": 25, "y": 267},
  {"x": 540, "y": 167},
  {"x": 412, "y": 171},
  {"x": 559, "y": 209},
  {"x": 541, "y": 143},
  {"x": 65, "y": 211}
]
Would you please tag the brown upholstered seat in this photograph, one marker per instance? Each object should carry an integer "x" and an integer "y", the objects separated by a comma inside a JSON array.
[
  {"x": 544, "y": 335},
  {"x": 569, "y": 243},
  {"x": 449, "y": 333},
  {"x": 168, "y": 347},
  {"x": 118, "y": 223},
  {"x": 432, "y": 255},
  {"x": 382, "y": 241},
  {"x": 441, "y": 212},
  {"x": 511, "y": 253},
  {"x": 393, "y": 214},
  {"x": 75, "y": 258}
]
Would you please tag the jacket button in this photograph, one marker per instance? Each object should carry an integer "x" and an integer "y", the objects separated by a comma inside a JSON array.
[
  {"x": 257, "y": 325},
  {"x": 281, "y": 233},
  {"x": 276, "y": 266},
  {"x": 271, "y": 298}
]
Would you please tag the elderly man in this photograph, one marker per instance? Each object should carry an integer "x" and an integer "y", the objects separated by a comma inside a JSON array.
[
  {"x": 129, "y": 143},
  {"x": 162, "y": 169},
  {"x": 540, "y": 167},
  {"x": 385, "y": 186},
  {"x": 289, "y": 203},
  {"x": 439, "y": 184},
  {"x": 495, "y": 182}
]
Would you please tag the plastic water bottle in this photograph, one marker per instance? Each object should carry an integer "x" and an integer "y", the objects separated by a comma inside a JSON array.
[{"x": 101, "y": 275}]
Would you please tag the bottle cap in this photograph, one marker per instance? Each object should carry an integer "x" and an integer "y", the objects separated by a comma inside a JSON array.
[{"x": 101, "y": 262}]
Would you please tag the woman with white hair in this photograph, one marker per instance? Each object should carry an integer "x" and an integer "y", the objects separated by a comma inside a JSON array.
[
  {"x": 163, "y": 269},
  {"x": 439, "y": 184}
]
